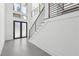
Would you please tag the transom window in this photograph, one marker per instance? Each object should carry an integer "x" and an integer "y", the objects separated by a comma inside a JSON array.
[
  {"x": 20, "y": 8},
  {"x": 17, "y": 7}
]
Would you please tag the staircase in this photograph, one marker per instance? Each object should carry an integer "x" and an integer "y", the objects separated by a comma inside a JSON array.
[
  {"x": 39, "y": 23},
  {"x": 55, "y": 10},
  {"x": 59, "y": 35}
]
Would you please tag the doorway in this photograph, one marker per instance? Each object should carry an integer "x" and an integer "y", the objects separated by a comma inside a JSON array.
[{"x": 19, "y": 29}]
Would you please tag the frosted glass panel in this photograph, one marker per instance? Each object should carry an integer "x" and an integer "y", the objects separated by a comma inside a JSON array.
[
  {"x": 23, "y": 29},
  {"x": 17, "y": 29}
]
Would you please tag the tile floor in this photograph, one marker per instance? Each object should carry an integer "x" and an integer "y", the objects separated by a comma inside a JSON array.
[{"x": 21, "y": 47}]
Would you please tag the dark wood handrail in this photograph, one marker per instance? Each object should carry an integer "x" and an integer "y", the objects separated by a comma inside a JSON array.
[
  {"x": 37, "y": 18},
  {"x": 35, "y": 21}
]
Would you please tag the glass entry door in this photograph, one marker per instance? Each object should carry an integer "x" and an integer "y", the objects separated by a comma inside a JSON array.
[
  {"x": 24, "y": 30},
  {"x": 19, "y": 29}
]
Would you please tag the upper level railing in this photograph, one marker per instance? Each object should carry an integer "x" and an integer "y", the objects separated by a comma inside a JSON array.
[
  {"x": 57, "y": 9},
  {"x": 70, "y": 7}
]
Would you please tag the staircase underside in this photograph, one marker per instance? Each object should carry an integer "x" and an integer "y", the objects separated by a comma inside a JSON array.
[{"x": 60, "y": 36}]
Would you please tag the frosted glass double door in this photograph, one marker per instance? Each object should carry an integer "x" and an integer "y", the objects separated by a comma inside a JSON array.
[{"x": 20, "y": 29}]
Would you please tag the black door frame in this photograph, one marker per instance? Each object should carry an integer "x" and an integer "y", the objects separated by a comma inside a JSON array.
[{"x": 20, "y": 30}]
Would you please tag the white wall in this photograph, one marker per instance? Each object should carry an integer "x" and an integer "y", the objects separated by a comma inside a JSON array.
[
  {"x": 2, "y": 31},
  {"x": 46, "y": 10},
  {"x": 60, "y": 37},
  {"x": 29, "y": 8},
  {"x": 31, "y": 19},
  {"x": 9, "y": 21}
]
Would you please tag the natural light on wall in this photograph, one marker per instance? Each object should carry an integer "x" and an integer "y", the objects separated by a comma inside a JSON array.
[{"x": 35, "y": 5}]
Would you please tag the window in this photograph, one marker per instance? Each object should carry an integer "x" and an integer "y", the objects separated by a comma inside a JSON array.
[
  {"x": 17, "y": 6},
  {"x": 23, "y": 10},
  {"x": 35, "y": 5},
  {"x": 35, "y": 9},
  {"x": 20, "y": 8}
]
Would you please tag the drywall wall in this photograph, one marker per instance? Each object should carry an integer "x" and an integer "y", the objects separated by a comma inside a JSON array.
[
  {"x": 46, "y": 10},
  {"x": 29, "y": 9},
  {"x": 39, "y": 21},
  {"x": 9, "y": 21},
  {"x": 2, "y": 31},
  {"x": 60, "y": 37},
  {"x": 31, "y": 19}
]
